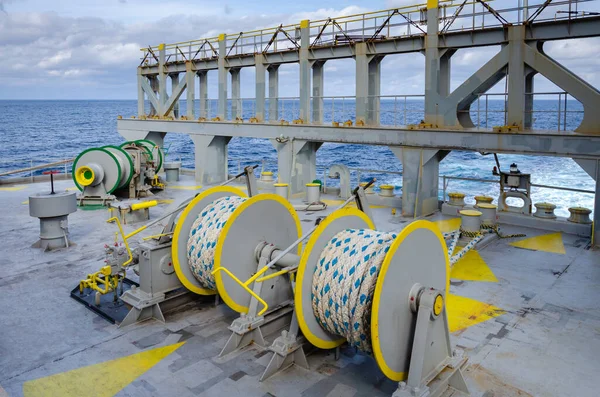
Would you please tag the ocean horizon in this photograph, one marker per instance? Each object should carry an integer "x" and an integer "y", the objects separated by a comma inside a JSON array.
[{"x": 40, "y": 131}]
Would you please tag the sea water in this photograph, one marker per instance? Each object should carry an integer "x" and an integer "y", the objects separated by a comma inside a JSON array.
[{"x": 37, "y": 132}]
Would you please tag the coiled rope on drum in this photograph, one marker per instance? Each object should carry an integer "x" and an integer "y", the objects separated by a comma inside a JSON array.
[
  {"x": 344, "y": 282},
  {"x": 203, "y": 237}
]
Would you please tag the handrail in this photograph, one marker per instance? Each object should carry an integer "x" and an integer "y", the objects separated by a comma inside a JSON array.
[
  {"x": 37, "y": 167},
  {"x": 245, "y": 287},
  {"x": 382, "y": 19}
]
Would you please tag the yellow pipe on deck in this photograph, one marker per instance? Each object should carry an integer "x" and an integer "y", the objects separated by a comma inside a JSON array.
[{"x": 143, "y": 205}]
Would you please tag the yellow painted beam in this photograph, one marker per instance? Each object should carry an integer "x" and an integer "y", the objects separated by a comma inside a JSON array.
[
  {"x": 465, "y": 312},
  {"x": 100, "y": 380},
  {"x": 547, "y": 243},
  {"x": 472, "y": 267},
  {"x": 448, "y": 225}
]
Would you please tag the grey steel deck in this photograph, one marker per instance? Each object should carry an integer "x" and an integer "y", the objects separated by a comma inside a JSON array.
[{"x": 545, "y": 344}]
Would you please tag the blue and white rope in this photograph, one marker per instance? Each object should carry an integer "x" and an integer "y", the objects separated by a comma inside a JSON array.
[
  {"x": 204, "y": 235},
  {"x": 344, "y": 282},
  {"x": 470, "y": 245},
  {"x": 455, "y": 236}
]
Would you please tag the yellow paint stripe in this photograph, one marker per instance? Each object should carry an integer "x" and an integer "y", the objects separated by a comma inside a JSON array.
[
  {"x": 185, "y": 187},
  {"x": 432, "y": 4},
  {"x": 472, "y": 267},
  {"x": 72, "y": 188},
  {"x": 548, "y": 243},
  {"x": 448, "y": 225},
  {"x": 100, "y": 380},
  {"x": 12, "y": 188},
  {"x": 165, "y": 201},
  {"x": 466, "y": 312},
  {"x": 25, "y": 202}
]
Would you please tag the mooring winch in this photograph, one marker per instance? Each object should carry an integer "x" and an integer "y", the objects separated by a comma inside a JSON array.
[
  {"x": 126, "y": 171},
  {"x": 159, "y": 286},
  {"x": 383, "y": 293}
]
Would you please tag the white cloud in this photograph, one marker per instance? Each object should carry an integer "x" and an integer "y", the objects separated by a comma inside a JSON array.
[{"x": 49, "y": 54}]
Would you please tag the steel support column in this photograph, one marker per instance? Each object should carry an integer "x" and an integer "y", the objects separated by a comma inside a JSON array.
[
  {"x": 529, "y": 87},
  {"x": 222, "y": 97},
  {"x": 368, "y": 85},
  {"x": 162, "y": 80},
  {"x": 296, "y": 162},
  {"x": 203, "y": 93},
  {"x": 273, "y": 92},
  {"x": 141, "y": 111},
  {"x": 592, "y": 168},
  {"x": 304, "y": 71},
  {"x": 432, "y": 65},
  {"x": 317, "y": 92},
  {"x": 154, "y": 110},
  {"x": 210, "y": 156},
  {"x": 174, "y": 84},
  {"x": 515, "y": 115},
  {"x": 190, "y": 93},
  {"x": 260, "y": 95},
  {"x": 420, "y": 179},
  {"x": 236, "y": 104}
]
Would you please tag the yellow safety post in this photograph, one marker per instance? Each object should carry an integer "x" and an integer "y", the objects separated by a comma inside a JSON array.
[{"x": 143, "y": 205}]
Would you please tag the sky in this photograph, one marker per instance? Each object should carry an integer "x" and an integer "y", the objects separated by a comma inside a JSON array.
[{"x": 83, "y": 49}]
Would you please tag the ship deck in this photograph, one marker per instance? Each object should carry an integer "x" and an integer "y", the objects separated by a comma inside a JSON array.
[{"x": 529, "y": 321}]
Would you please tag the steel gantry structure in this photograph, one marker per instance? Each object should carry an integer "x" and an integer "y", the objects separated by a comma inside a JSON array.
[{"x": 436, "y": 30}]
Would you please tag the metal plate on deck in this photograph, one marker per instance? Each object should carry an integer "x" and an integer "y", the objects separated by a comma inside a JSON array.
[{"x": 109, "y": 309}]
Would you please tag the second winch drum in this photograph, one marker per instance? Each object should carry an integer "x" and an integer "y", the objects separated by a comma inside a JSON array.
[{"x": 247, "y": 234}]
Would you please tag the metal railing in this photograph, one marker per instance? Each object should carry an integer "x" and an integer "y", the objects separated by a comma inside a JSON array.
[
  {"x": 483, "y": 107},
  {"x": 35, "y": 168},
  {"x": 373, "y": 26},
  {"x": 488, "y": 110}
]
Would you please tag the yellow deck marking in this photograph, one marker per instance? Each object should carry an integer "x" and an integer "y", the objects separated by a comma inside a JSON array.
[
  {"x": 351, "y": 204},
  {"x": 165, "y": 201},
  {"x": 466, "y": 312},
  {"x": 70, "y": 189},
  {"x": 185, "y": 187},
  {"x": 25, "y": 202},
  {"x": 448, "y": 225},
  {"x": 12, "y": 188},
  {"x": 101, "y": 380},
  {"x": 472, "y": 267},
  {"x": 548, "y": 243}
]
